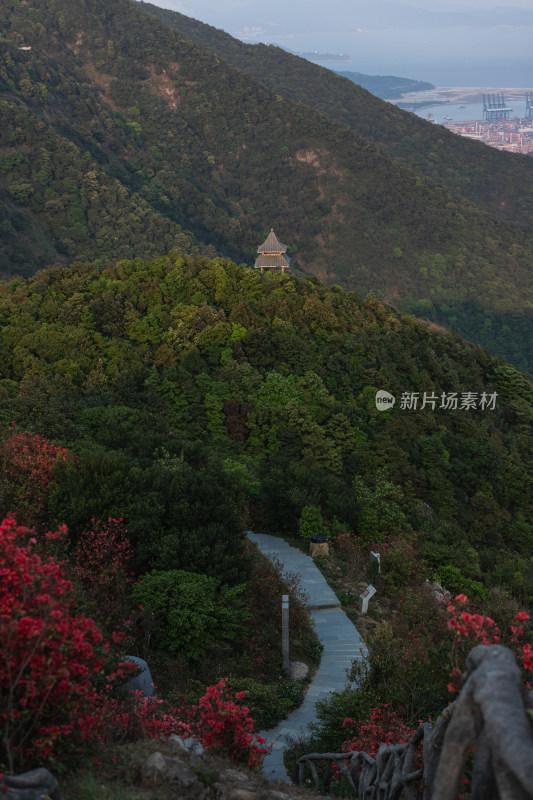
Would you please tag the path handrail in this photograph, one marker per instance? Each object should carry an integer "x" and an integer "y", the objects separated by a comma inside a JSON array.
[
  {"x": 392, "y": 770},
  {"x": 490, "y": 714}
]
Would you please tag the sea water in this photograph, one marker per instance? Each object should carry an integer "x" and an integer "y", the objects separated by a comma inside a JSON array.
[
  {"x": 498, "y": 56},
  {"x": 465, "y": 111}
]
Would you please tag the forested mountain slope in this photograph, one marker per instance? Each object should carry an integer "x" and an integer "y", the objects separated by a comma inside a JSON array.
[
  {"x": 501, "y": 183},
  {"x": 385, "y": 86},
  {"x": 118, "y": 133},
  {"x": 258, "y": 393},
  {"x": 58, "y": 202}
]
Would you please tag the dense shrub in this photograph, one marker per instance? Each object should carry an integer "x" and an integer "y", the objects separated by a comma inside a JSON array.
[
  {"x": 409, "y": 663},
  {"x": 27, "y": 461},
  {"x": 379, "y": 506},
  {"x": 268, "y": 704},
  {"x": 192, "y": 612},
  {"x": 226, "y": 728},
  {"x": 218, "y": 720},
  {"x": 184, "y": 514},
  {"x": 401, "y": 564},
  {"x": 385, "y": 726},
  {"x": 183, "y": 510},
  {"x": 102, "y": 562},
  {"x": 454, "y": 580},
  {"x": 311, "y": 522}
]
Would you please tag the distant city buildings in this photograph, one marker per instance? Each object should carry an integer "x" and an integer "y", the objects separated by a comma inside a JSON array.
[{"x": 513, "y": 135}]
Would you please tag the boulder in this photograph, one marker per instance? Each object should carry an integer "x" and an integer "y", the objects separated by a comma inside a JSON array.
[
  {"x": 280, "y": 795},
  {"x": 32, "y": 785},
  {"x": 143, "y": 681},
  {"x": 158, "y": 769},
  {"x": 440, "y": 594},
  {"x": 234, "y": 776},
  {"x": 190, "y": 746},
  {"x": 240, "y": 794},
  {"x": 298, "y": 670}
]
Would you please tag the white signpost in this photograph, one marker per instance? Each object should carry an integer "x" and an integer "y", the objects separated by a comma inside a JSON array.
[{"x": 364, "y": 598}]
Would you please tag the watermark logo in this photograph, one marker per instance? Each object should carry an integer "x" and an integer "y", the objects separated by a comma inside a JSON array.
[
  {"x": 446, "y": 401},
  {"x": 384, "y": 400}
]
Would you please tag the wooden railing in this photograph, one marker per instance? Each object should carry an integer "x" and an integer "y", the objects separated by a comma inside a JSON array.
[{"x": 491, "y": 714}]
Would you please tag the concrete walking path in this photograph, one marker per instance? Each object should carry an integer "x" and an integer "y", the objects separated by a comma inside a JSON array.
[{"x": 342, "y": 645}]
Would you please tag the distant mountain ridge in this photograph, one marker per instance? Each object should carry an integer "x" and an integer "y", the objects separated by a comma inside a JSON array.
[
  {"x": 387, "y": 87},
  {"x": 121, "y": 136}
]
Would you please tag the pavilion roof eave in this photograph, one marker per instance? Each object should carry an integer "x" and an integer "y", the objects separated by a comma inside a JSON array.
[
  {"x": 271, "y": 260},
  {"x": 272, "y": 244}
]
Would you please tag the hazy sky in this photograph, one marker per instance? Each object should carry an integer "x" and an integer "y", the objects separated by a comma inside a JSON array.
[
  {"x": 453, "y": 43},
  {"x": 296, "y": 16},
  {"x": 202, "y": 7}
]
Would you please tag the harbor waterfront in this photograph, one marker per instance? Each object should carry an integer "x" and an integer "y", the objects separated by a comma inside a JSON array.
[
  {"x": 513, "y": 135},
  {"x": 461, "y": 110}
]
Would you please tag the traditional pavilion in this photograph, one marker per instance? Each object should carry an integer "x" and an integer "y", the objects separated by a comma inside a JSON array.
[{"x": 272, "y": 254}]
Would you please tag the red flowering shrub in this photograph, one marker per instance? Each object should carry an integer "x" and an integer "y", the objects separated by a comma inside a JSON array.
[
  {"x": 518, "y": 634},
  {"x": 47, "y": 655},
  {"x": 217, "y": 721},
  {"x": 54, "y": 694},
  {"x": 101, "y": 563},
  {"x": 26, "y": 472},
  {"x": 475, "y": 628},
  {"x": 385, "y": 727},
  {"x": 348, "y": 546},
  {"x": 140, "y": 717},
  {"x": 471, "y": 629},
  {"x": 225, "y": 727}
]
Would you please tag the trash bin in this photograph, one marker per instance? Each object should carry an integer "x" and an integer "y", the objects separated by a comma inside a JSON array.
[{"x": 319, "y": 545}]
